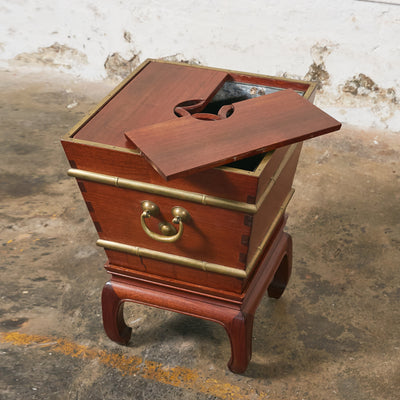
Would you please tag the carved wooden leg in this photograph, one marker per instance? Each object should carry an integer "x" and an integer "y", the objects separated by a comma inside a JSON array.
[
  {"x": 282, "y": 275},
  {"x": 240, "y": 331},
  {"x": 113, "y": 316}
]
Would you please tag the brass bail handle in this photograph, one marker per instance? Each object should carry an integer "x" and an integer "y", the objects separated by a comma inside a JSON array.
[{"x": 169, "y": 234}]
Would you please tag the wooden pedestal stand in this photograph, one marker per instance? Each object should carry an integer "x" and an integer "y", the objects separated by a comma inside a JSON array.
[{"x": 236, "y": 316}]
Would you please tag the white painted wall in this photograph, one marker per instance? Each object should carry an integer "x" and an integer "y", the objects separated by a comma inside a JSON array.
[{"x": 335, "y": 41}]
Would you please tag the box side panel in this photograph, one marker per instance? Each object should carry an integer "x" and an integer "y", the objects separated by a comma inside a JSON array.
[
  {"x": 176, "y": 275},
  {"x": 270, "y": 207},
  {"x": 213, "y": 235},
  {"x": 217, "y": 182},
  {"x": 270, "y": 170},
  {"x": 182, "y": 146}
]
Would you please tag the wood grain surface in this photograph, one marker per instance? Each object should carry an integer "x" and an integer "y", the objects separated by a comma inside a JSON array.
[
  {"x": 150, "y": 98},
  {"x": 211, "y": 236},
  {"x": 180, "y": 147}
]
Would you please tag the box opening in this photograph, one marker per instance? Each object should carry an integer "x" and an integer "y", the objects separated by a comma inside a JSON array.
[
  {"x": 233, "y": 92},
  {"x": 247, "y": 164}
]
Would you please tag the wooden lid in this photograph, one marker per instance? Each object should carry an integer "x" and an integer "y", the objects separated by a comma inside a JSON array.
[
  {"x": 192, "y": 143},
  {"x": 149, "y": 97}
]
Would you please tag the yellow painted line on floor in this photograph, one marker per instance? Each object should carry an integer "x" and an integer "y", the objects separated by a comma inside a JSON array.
[{"x": 184, "y": 378}]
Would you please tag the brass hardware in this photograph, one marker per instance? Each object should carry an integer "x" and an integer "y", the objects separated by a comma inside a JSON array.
[
  {"x": 171, "y": 258},
  {"x": 198, "y": 264},
  {"x": 260, "y": 249},
  {"x": 279, "y": 170},
  {"x": 168, "y": 231},
  {"x": 183, "y": 194},
  {"x": 151, "y": 209},
  {"x": 163, "y": 191}
]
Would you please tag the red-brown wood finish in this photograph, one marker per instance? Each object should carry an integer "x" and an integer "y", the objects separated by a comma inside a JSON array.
[
  {"x": 217, "y": 182},
  {"x": 149, "y": 98},
  {"x": 236, "y": 317},
  {"x": 265, "y": 215},
  {"x": 215, "y": 235},
  {"x": 175, "y": 276},
  {"x": 206, "y": 281},
  {"x": 218, "y": 236},
  {"x": 270, "y": 169},
  {"x": 117, "y": 213},
  {"x": 257, "y": 125}
]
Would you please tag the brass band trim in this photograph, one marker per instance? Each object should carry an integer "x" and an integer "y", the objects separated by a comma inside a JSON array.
[
  {"x": 163, "y": 191},
  {"x": 198, "y": 264},
  {"x": 193, "y": 197},
  {"x": 171, "y": 258},
  {"x": 274, "y": 178},
  {"x": 260, "y": 249}
]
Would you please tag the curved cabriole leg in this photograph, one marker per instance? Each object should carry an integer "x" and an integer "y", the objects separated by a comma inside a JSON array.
[
  {"x": 240, "y": 331},
  {"x": 113, "y": 316},
  {"x": 282, "y": 274}
]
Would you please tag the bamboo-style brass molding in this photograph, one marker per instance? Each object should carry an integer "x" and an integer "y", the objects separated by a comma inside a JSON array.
[
  {"x": 179, "y": 194},
  {"x": 193, "y": 197},
  {"x": 171, "y": 258},
  {"x": 199, "y": 264},
  {"x": 260, "y": 249},
  {"x": 274, "y": 178}
]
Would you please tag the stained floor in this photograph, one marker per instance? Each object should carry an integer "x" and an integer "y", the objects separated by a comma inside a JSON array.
[{"x": 335, "y": 333}]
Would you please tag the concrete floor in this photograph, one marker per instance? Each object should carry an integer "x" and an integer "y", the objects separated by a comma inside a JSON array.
[{"x": 335, "y": 333}]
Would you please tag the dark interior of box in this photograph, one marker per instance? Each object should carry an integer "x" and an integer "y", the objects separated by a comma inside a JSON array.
[
  {"x": 247, "y": 164},
  {"x": 233, "y": 92}
]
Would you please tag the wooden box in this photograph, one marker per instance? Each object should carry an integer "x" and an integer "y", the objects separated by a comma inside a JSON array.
[{"x": 168, "y": 220}]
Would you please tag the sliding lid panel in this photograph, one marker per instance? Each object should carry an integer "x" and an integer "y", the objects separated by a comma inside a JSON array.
[
  {"x": 182, "y": 146},
  {"x": 150, "y": 97}
]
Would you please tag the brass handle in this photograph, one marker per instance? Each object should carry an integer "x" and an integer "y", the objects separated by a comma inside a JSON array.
[{"x": 169, "y": 234}]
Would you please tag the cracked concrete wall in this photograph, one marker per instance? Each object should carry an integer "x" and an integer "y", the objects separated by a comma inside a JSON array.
[{"x": 351, "y": 48}]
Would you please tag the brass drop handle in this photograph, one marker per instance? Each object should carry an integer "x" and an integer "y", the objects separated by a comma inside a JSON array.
[{"x": 169, "y": 234}]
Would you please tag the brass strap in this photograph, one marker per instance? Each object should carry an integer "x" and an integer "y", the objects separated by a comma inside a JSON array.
[
  {"x": 260, "y": 249},
  {"x": 199, "y": 264},
  {"x": 171, "y": 258},
  {"x": 163, "y": 191},
  {"x": 193, "y": 197}
]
